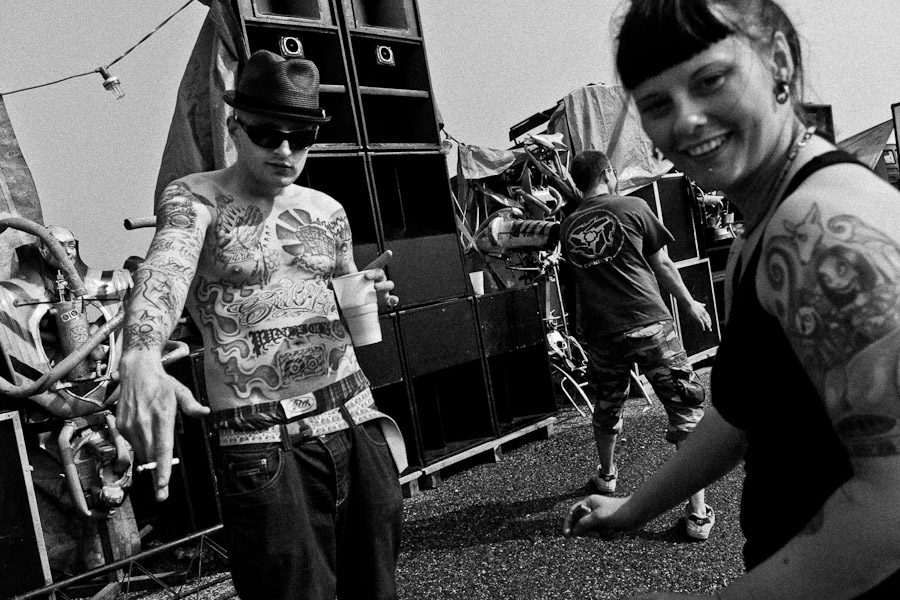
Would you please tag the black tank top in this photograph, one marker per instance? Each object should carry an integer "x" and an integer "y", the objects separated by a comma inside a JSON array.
[{"x": 794, "y": 460}]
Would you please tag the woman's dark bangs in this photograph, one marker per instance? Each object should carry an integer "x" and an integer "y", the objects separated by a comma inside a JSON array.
[{"x": 659, "y": 34}]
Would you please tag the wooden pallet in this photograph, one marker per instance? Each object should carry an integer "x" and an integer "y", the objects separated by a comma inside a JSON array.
[
  {"x": 429, "y": 477},
  {"x": 708, "y": 353},
  {"x": 409, "y": 483}
]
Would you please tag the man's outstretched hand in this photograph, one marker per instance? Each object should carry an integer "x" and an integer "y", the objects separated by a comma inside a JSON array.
[{"x": 147, "y": 401}]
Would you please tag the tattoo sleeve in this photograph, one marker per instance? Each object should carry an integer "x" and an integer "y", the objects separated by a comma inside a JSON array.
[
  {"x": 835, "y": 283},
  {"x": 161, "y": 283},
  {"x": 343, "y": 240}
]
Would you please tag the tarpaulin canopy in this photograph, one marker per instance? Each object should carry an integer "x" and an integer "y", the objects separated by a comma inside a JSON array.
[
  {"x": 603, "y": 117},
  {"x": 198, "y": 136},
  {"x": 478, "y": 162},
  {"x": 868, "y": 146},
  {"x": 18, "y": 195}
]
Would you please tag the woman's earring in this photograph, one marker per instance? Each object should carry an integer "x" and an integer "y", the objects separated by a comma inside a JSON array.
[{"x": 782, "y": 92}]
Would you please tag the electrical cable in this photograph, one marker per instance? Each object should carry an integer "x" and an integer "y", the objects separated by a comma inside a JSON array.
[
  {"x": 447, "y": 133},
  {"x": 40, "y": 85},
  {"x": 98, "y": 69},
  {"x": 144, "y": 39}
]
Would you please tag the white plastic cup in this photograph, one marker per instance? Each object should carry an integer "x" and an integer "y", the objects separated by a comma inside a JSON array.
[
  {"x": 363, "y": 323},
  {"x": 477, "y": 279},
  {"x": 355, "y": 294}
]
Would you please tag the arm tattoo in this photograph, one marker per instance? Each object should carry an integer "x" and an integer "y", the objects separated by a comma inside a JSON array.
[
  {"x": 838, "y": 285},
  {"x": 837, "y": 289},
  {"x": 144, "y": 332},
  {"x": 176, "y": 214},
  {"x": 343, "y": 240},
  {"x": 161, "y": 283},
  {"x": 177, "y": 190}
]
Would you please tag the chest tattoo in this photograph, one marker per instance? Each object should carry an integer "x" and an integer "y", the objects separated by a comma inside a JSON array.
[
  {"x": 313, "y": 243},
  {"x": 244, "y": 248}
]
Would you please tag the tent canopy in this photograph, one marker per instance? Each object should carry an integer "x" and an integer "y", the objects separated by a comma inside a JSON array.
[{"x": 868, "y": 145}]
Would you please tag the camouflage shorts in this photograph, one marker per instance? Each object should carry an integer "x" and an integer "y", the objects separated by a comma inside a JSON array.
[{"x": 658, "y": 351}]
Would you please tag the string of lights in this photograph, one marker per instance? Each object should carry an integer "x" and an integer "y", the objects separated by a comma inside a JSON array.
[{"x": 110, "y": 82}]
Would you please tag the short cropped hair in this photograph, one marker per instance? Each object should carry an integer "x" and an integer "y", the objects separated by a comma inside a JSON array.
[{"x": 587, "y": 169}]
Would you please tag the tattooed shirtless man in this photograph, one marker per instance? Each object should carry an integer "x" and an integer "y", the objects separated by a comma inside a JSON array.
[{"x": 307, "y": 480}]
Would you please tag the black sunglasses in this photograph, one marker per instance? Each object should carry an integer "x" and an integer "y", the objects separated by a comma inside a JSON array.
[{"x": 270, "y": 138}]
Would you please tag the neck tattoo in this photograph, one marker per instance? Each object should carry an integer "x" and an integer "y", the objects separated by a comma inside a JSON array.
[{"x": 775, "y": 189}]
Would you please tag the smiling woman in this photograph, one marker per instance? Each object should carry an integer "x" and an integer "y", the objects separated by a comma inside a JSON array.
[
  {"x": 704, "y": 114},
  {"x": 703, "y": 109},
  {"x": 814, "y": 289}
]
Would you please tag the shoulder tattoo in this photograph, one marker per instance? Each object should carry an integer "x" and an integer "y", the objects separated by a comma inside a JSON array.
[{"x": 837, "y": 285}]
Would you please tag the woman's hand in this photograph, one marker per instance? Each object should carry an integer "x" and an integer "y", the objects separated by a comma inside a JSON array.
[{"x": 596, "y": 516}]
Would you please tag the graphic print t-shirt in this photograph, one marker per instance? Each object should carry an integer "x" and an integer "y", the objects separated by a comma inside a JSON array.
[{"x": 607, "y": 242}]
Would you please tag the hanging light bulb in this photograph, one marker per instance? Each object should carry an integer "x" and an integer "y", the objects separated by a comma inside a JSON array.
[{"x": 111, "y": 83}]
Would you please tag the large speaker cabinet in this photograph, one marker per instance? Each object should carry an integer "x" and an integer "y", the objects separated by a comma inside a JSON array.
[
  {"x": 462, "y": 372},
  {"x": 23, "y": 556},
  {"x": 670, "y": 198},
  {"x": 515, "y": 350},
  {"x": 453, "y": 370},
  {"x": 380, "y": 154}
]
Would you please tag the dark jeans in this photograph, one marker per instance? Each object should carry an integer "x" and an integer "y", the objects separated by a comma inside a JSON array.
[{"x": 317, "y": 520}]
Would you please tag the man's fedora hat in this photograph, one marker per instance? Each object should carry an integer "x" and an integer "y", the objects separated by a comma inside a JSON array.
[{"x": 274, "y": 86}]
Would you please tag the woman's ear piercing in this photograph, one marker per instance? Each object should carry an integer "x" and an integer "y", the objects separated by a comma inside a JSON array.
[{"x": 782, "y": 91}]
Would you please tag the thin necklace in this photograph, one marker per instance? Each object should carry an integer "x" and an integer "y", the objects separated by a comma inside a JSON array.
[{"x": 775, "y": 190}]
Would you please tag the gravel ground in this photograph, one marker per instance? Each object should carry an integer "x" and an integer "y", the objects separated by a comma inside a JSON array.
[{"x": 493, "y": 531}]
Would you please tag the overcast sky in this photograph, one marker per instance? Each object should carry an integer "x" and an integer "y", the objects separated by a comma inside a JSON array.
[{"x": 492, "y": 63}]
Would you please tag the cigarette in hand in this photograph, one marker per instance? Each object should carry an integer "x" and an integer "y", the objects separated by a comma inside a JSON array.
[{"x": 152, "y": 465}]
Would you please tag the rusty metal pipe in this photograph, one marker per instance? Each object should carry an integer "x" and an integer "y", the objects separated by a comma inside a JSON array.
[
  {"x": 139, "y": 222},
  {"x": 43, "y": 383},
  {"x": 123, "y": 453},
  {"x": 176, "y": 350},
  {"x": 71, "y": 471}
]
